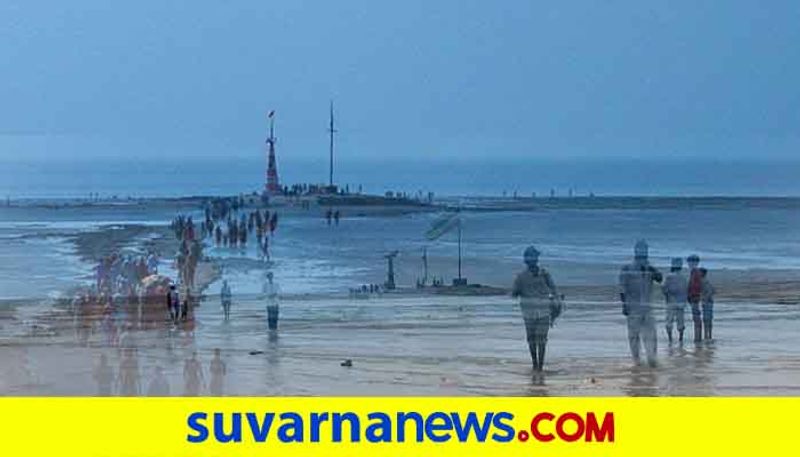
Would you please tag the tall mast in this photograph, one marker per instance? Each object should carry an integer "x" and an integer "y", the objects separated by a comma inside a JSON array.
[
  {"x": 272, "y": 127},
  {"x": 331, "y": 130}
]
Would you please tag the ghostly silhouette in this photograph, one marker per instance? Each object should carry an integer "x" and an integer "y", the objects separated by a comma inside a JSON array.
[
  {"x": 103, "y": 375},
  {"x": 192, "y": 376},
  {"x": 128, "y": 379},
  {"x": 159, "y": 385},
  {"x": 218, "y": 371}
]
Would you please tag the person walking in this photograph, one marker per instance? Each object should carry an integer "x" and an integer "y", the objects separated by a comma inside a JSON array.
[
  {"x": 695, "y": 295},
  {"x": 675, "y": 290},
  {"x": 539, "y": 302},
  {"x": 225, "y": 299},
  {"x": 270, "y": 292},
  {"x": 707, "y": 302},
  {"x": 636, "y": 285}
]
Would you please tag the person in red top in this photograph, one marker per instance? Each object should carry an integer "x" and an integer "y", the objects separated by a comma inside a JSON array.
[{"x": 695, "y": 292}]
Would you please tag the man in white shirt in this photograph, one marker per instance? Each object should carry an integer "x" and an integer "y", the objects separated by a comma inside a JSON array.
[
  {"x": 676, "y": 291},
  {"x": 636, "y": 284},
  {"x": 270, "y": 292},
  {"x": 225, "y": 299}
]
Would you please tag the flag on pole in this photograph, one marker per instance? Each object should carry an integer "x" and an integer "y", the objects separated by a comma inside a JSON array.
[
  {"x": 442, "y": 225},
  {"x": 271, "y": 113}
]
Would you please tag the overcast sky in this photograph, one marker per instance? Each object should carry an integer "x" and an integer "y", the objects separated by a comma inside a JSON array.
[{"x": 440, "y": 78}]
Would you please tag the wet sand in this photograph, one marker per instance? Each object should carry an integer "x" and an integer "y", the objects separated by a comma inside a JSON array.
[{"x": 407, "y": 344}]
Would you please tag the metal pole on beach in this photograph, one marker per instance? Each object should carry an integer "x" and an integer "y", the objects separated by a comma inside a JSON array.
[
  {"x": 332, "y": 131},
  {"x": 459, "y": 251}
]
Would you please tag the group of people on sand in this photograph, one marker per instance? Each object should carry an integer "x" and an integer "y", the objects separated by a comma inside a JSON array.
[
  {"x": 120, "y": 273},
  {"x": 366, "y": 290},
  {"x": 127, "y": 381},
  {"x": 332, "y": 216},
  {"x": 541, "y": 304},
  {"x": 179, "y": 306}
]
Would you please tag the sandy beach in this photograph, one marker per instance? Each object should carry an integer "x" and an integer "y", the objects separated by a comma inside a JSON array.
[{"x": 409, "y": 341}]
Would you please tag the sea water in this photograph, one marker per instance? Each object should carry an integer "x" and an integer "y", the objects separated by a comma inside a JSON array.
[{"x": 66, "y": 176}]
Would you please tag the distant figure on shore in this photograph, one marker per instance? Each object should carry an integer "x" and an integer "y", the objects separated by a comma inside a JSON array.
[
  {"x": 225, "y": 299},
  {"x": 159, "y": 386},
  {"x": 103, "y": 375},
  {"x": 707, "y": 301},
  {"x": 328, "y": 215},
  {"x": 336, "y": 217},
  {"x": 192, "y": 376},
  {"x": 695, "y": 294},
  {"x": 539, "y": 302},
  {"x": 636, "y": 286},
  {"x": 218, "y": 371},
  {"x": 270, "y": 292},
  {"x": 675, "y": 290}
]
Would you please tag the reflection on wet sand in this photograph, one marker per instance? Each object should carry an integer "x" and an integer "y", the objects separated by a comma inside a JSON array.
[
  {"x": 159, "y": 385},
  {"x": 218, "y": 371},
  {"x": 128, "y": 380},
  {"x": 193, "y": 376},
  {"x": 104, "y": 377},
  {"x": 425, "y": 348},
  {"x": 643, "y": 382}
]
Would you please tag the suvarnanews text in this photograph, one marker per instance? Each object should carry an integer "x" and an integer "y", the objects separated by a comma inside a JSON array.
[{"x": 408, "y": 426}]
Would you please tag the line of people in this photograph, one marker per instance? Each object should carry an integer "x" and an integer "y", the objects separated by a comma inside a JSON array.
[
  {"x": 127, "y": 380},
  {"x": 541, "y": 304}
]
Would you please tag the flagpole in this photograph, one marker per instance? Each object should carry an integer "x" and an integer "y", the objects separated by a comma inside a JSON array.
[
  {"x": 332, "y": 131},
  {"x": 459, "y": 251}
]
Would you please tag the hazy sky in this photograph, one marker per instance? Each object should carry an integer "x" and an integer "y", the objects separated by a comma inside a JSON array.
[{"x": 442, "y": 78}]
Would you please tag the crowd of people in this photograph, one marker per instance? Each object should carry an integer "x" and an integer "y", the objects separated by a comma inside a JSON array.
[
  {"x": 121, "y": 273},
  {"x": 365, "y": 290},
  {"x": 541, "y": 303},
  {"x": 229, "y": 225}
]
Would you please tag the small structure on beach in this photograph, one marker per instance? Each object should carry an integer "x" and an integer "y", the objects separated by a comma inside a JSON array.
[{"x": 441, "y": 226}]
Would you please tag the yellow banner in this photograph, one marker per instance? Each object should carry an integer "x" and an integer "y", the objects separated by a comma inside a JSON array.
[{"x": 398, "y": 426}]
